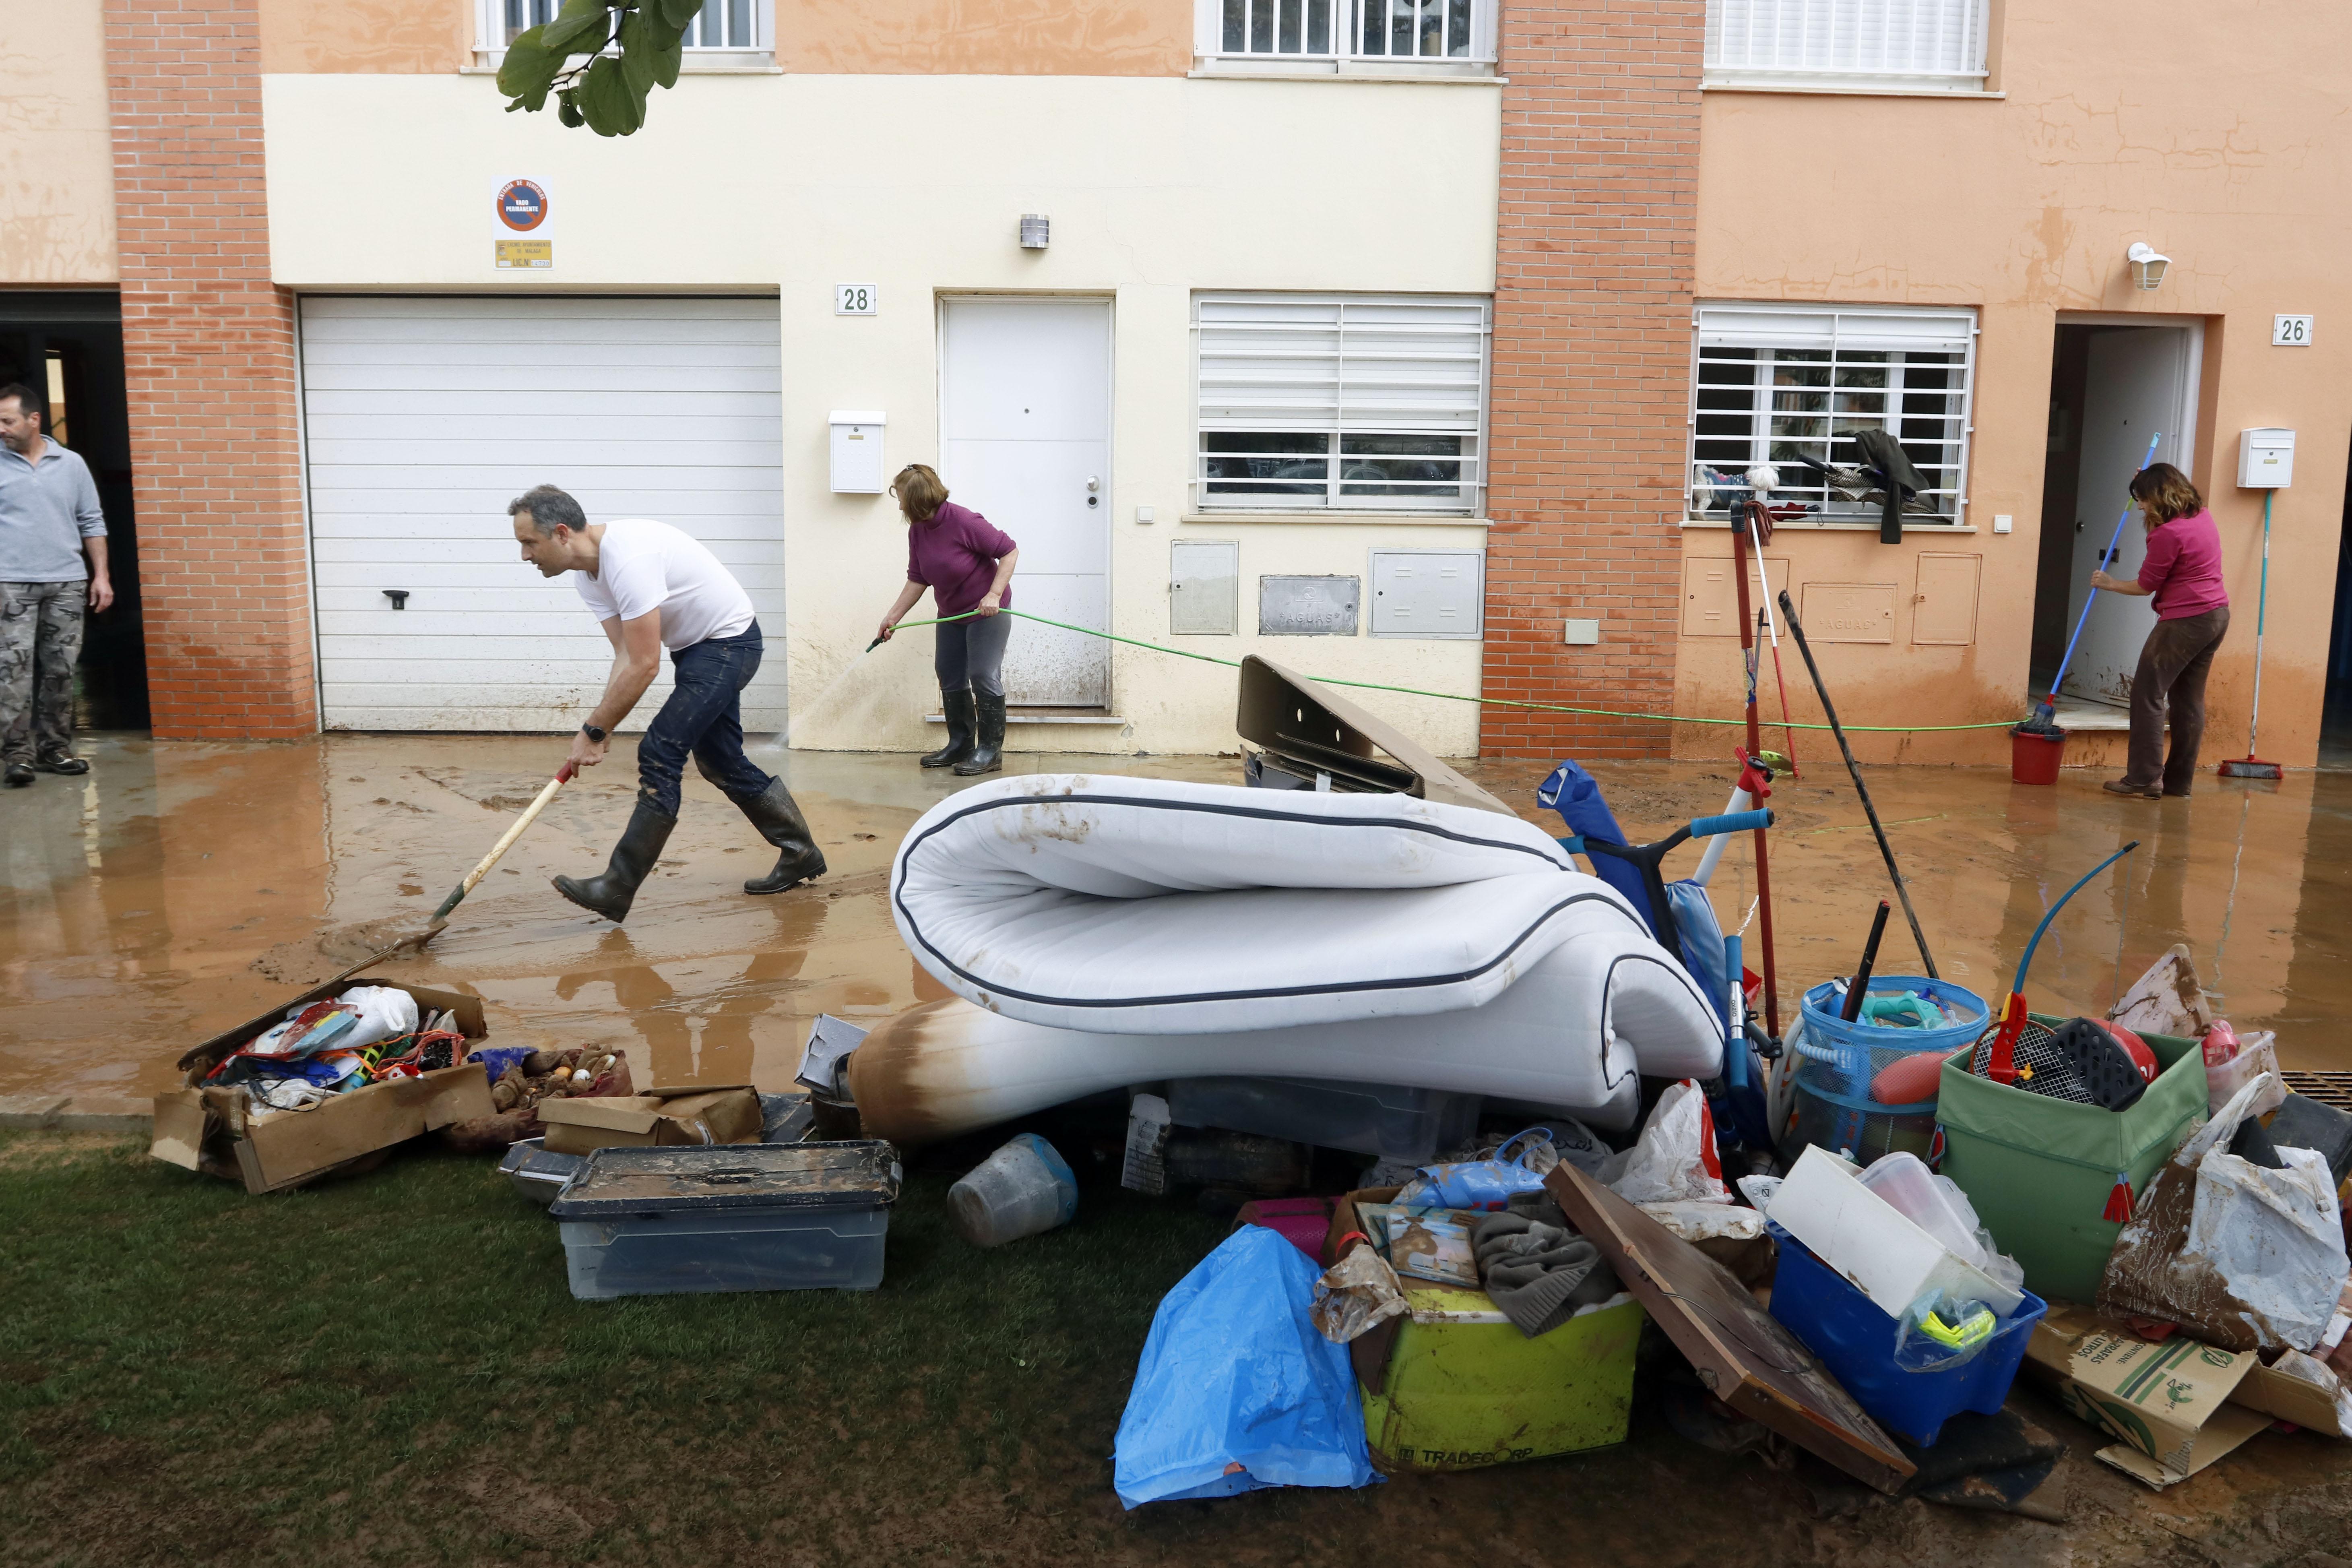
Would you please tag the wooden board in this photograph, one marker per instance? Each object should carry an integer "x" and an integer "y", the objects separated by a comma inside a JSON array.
[{"x": 1743, "y": 1356}]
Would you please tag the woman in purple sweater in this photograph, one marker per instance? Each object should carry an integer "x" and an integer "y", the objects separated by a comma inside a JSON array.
[
  {"x": 2183, "y": 570},
  {"x": 968, "y": 567}
]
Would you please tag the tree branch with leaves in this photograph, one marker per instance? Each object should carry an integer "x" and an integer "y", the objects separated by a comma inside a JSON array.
[{"x": 606, "y": 93}]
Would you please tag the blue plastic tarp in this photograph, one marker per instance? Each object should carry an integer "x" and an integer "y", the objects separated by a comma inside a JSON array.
[{"x": 1236, "y": 1390}]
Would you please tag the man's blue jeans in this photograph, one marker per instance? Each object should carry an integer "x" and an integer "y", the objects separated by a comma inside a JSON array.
[{"x": 704, "y": 718}]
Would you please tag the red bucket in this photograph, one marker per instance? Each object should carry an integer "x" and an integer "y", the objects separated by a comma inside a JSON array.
[{"x": 2033, "y": 758}]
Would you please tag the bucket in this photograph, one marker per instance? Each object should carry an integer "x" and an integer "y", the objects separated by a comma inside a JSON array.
[
  {"x": 1022, "y": 1189},
  {"x": 2033, "y": 758}
]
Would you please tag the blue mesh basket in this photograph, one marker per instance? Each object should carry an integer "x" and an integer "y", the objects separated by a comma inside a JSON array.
[{"x": 1842, "y": 1058}]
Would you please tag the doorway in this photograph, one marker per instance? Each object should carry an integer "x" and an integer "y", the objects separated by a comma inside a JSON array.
[
  {"x": 1024, "y": 439},
  {"x": 2336, "y": 717},
  {"x": 67, "y": 347},
  {"x": 2116, "y": 384}
]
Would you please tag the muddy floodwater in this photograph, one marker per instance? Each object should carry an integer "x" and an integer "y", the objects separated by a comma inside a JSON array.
[{"x": 184, "y": 887}]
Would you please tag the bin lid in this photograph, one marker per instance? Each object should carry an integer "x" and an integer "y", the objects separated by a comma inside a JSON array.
[{"x": 622, "y": 1181}]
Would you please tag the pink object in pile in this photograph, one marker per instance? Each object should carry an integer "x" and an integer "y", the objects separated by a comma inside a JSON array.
[{"x": 1302, "y": 1222}]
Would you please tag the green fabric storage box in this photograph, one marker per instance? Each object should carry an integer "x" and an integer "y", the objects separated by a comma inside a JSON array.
[
  {"x": 2039, "y": 1170},
  {"x": 1463, "y": 1387}
]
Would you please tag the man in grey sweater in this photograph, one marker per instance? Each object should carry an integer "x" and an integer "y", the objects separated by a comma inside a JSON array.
[{"x": 50, "y": 522}]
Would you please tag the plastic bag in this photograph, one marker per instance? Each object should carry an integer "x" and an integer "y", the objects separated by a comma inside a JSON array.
[
  {"x": 2243, "y": 1256},
  {"x": 1236, "y": 1390},
  {"x": 1674, "y": 1160},
  {"x": 385, "y": 1013},
  {"x": 1355, "y": 1295},
  {"x": 1939, "y": 1332},
  {"x": 1485, "y": 1183},
  {"x": 2242, "y": 1057}
]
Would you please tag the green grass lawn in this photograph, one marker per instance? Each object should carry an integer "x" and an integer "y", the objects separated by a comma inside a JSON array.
[{"x": 391, "y": 1368}]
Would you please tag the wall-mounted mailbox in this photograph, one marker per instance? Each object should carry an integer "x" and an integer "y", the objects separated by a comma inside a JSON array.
[
  {"x": 2265, "y": 459},
  {"x": 858, "y": 467}
]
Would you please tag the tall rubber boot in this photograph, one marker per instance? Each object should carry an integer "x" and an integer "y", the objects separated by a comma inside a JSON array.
[
  {"x": 611, "y": 894},
  {"x": 780, "y": 822},
  {"x": 988, "y": 752},
  {"x": 957, "y": 707}
]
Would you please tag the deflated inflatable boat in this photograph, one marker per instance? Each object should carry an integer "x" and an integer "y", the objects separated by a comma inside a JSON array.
[{"x": 1110, "y": 931}]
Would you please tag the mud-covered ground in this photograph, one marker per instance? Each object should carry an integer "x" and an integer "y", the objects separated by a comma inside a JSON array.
[{"x": 184, "y": 887}]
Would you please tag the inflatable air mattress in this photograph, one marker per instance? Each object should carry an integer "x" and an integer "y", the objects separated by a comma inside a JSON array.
[{"x": 1107, "y": 931}]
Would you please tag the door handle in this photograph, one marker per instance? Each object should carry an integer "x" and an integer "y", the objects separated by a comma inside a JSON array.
[{"x": 1094, "y": 483}]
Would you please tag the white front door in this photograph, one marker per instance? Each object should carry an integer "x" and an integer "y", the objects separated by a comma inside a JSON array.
[
  {"x": 2141, "y": 383},
  {"x": 1025, "y": 440}
]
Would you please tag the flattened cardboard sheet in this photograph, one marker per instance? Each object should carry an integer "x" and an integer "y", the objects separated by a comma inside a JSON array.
[{"x": 1743, "y": 1356}]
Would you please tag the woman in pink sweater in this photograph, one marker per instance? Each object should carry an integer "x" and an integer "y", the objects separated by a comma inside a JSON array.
[
  {"x": 2183, "y": 571},
  {"x": 967, "y": 564}
]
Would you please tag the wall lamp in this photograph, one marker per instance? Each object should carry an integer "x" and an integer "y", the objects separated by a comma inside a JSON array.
[
  {"x": 1036, "y": 231},
  {"x": 2148, "y": 264}
]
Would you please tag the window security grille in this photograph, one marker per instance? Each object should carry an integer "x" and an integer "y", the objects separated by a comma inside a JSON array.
[
  {"x": 1920, "y": 45},
  {"x": 1781, "y": 383},
  {"x": 1460, "y": 32},
  {"x": 720, "y": 24},
  {"x": 1354, "y": 402}
]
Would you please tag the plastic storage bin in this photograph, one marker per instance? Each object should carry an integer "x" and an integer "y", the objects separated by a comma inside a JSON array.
[
  {"x": 534, "y": 1173},
  {"x": 730, "y": 1216},
  {"x": 1463, "y": 1388},
  {"x": 2039, "y": 1170},
  {"x": 1854, "y": 1337},
  {"x": 1411, "y": 1125}
]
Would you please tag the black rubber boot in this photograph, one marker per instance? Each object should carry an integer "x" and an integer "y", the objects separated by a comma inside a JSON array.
[
  {"x": 780, "y": 822},
  {"x": 988, "y": 752},
  {"x": 957, "y": 706},
  {"x": 611, "y": 894}
]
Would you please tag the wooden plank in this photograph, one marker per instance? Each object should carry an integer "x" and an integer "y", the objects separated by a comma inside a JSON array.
[{"x": 1740, "y": 1352}]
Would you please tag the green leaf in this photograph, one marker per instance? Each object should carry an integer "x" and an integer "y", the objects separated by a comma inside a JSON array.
[
  {"x": 679, "y": 13},
  {"x": 533, "y": 100},
  {"x": 583, "y": 28},
  {"x": 568, "y": 112},
  {"x": 605, "y": 99},
  {"x": 636, "y": 58},
  {"x": 529, "y": 65},
  {"x": 666, "y": 48}
]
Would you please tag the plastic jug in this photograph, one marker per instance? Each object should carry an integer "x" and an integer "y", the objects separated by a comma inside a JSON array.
[{"x": 1022, "y": 1189}]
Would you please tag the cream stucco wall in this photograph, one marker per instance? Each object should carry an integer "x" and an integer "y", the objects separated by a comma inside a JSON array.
[
  {"x": 57, "y": 179},
  {"x": 1155, "y": 186},
  {"x": 2195, "y": 130}
]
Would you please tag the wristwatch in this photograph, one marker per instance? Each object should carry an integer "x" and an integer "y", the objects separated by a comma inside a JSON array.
[{"x": 592, "y": 733}]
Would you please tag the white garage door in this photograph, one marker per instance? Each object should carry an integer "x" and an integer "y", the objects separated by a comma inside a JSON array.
[{"x": 425, "y": 416}]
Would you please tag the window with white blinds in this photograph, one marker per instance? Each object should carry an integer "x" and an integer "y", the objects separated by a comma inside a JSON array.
[
  {"x": 1793, "y": 384},
  {"x": 1917, "y": 45},
  {"x": 739, "y": 27},
  {"x": 1345, "y": 402}
]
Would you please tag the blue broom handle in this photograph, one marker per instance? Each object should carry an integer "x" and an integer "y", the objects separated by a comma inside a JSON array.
[
  {"x": 2017, "y": 985},
  {"x": 2113, "y": 545}
]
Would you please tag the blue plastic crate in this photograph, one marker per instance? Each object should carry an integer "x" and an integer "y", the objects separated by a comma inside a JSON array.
[
  {"x": 1854, "y": 1337},
  {"x": 1848, "y": 1055}
]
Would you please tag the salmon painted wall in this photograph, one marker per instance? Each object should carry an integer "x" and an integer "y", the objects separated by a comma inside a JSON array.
[
  {"x": 56, "y": 188},
  {"x": 910, "y": 37},
  {"x": 2190, "y": 129}
]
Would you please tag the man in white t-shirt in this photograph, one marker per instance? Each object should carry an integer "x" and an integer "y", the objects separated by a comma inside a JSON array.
[{"x": 652, "y": 586}]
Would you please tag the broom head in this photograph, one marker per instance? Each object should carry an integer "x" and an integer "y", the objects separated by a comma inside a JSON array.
[{"x": 2251, "y": 767}]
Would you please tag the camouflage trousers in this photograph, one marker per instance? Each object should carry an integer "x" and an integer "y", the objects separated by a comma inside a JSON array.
[{"x": 40, "y": 638}]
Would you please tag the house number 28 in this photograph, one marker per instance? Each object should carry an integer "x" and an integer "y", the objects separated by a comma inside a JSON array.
[{"x": 854, "y": 299}]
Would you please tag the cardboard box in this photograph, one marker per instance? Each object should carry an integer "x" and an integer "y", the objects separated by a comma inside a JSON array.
[
  {"x": 689, "y": 1113},
  {"x": 1872, "y": 1243},
  {"x": 2172, "y": 1402},
  {"x": 211, "y": 1130}
]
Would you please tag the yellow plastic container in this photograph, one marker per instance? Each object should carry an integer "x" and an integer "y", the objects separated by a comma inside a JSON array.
[{"x": 1463, "y": 1388}]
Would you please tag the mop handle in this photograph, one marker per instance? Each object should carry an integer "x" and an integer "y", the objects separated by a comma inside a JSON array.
[
  {"x": 505, "y": 840},
  {"x": 2017, "y": 987},
  {"x": 1853, "y": 771},
  {"x": 2104, "y": 560},
  {"x": 2261, "y": 613}
]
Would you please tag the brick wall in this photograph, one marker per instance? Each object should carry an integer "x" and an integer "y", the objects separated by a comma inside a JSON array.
[
  {"x": 208, "y": 346},
  {"x": 1591, "y": 367}
]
